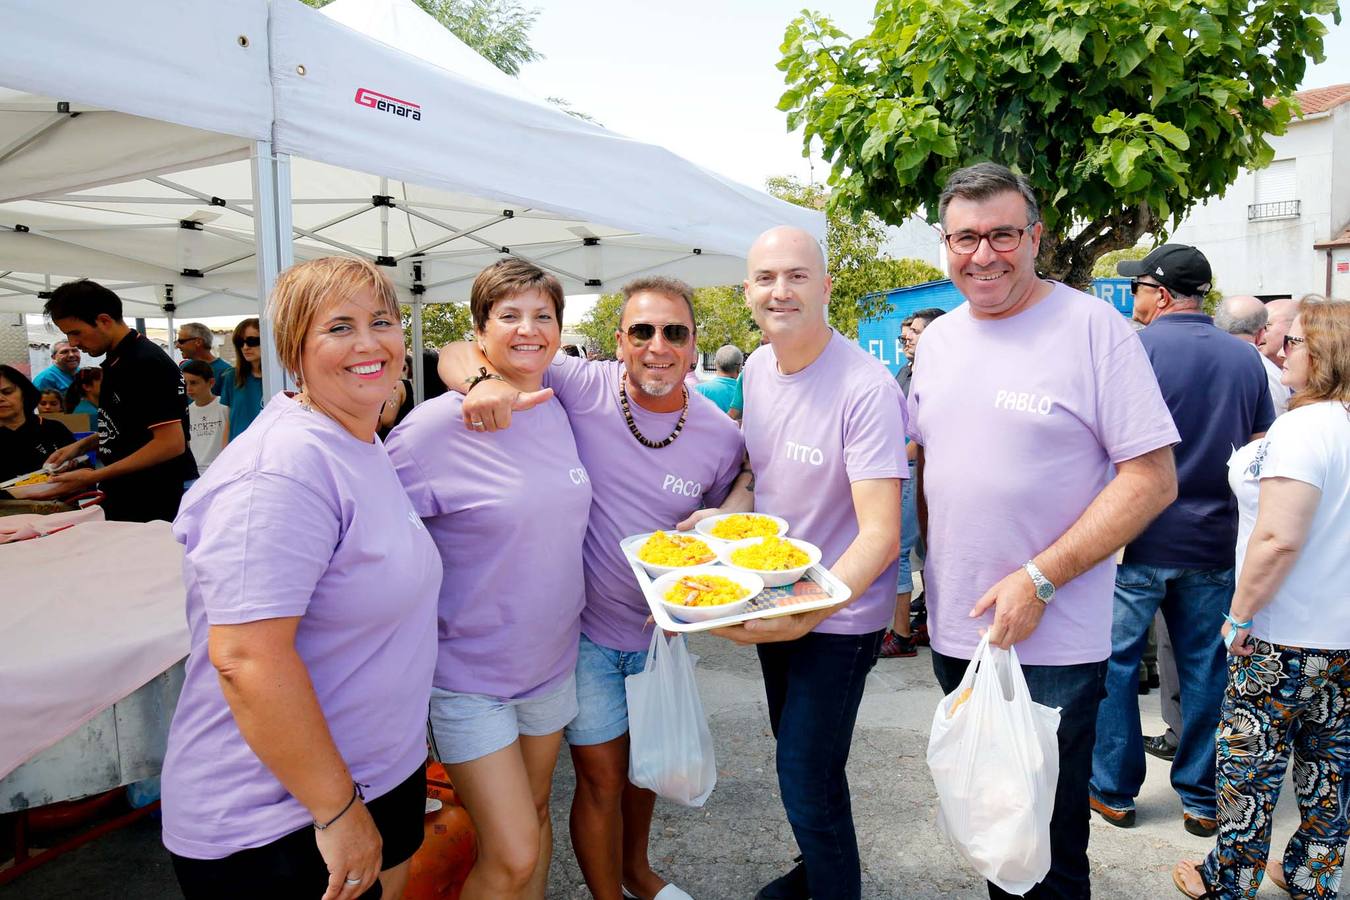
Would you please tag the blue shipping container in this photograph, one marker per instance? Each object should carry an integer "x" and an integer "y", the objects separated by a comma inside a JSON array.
[{"x": 881, "y": 336}]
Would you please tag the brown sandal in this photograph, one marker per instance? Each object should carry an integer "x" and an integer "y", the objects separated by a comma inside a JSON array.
[{"x": 1180, "y": 882}]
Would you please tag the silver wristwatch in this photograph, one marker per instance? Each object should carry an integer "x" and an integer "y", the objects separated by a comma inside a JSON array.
[{"x": 1045, "y": 590}]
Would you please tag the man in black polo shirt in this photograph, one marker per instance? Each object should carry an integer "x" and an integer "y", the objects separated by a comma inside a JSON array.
[
  {"x": 1182, "y": 563},
  {"x": 142, "y": 437}
]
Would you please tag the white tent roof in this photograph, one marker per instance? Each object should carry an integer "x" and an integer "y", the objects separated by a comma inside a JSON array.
[{"x": 165, "y": 105}]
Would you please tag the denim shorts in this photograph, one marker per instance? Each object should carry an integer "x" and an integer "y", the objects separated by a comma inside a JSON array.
[
  {"x": 466, "y": 727},
  {"x": 602, "y": 698},
  {"x": 909, "y": 532}
]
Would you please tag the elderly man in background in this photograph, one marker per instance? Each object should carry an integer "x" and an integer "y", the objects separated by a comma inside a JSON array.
[
  {"x": 1279, "y": 316},
  {"x": 1245, "y": 318},
  {"x": 725, "y": 389},
  {"x": 1033, "y": 469},
  {"x": 59, "y": 375},
  {"x": 194, "y": 342}
]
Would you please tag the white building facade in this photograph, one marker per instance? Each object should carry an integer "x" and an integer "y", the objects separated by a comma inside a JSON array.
[{"x": 1281, "y": 231}]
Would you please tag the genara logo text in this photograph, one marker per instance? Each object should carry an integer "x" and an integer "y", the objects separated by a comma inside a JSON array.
[{"x": 384, "y": 103}]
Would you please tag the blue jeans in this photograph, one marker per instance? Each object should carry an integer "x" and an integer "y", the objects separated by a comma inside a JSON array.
[
  {"x": 814, "y": 686},
  {"x": 1193, "y": 602},
  {"x": 1077, "y": 691},
  {"x": 909, "y": 533}
]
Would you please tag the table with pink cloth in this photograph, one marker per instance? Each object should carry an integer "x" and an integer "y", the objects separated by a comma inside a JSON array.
[{"x": 89, "y": 615}]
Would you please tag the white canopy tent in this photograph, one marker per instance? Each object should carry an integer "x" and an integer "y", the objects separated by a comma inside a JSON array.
[{"x": 201, "y": 145}]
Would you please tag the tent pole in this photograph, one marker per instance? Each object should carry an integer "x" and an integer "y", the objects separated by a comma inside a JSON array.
[
  {"x": 169, "y": 308},
  {"x": 419, "y": 386},
  {"x": 272, "y": 231}
]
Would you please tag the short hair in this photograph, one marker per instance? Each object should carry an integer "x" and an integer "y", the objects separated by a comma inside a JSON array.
[
  {"x": 659, "y": 284},
  {"x": 1326, "y": 330},
  {"x": 200, "y": 332},
  {"x": 728, "y": 357},
  {"x": 84, "y": 300},
  {"x": 907, "y": 321},
  {"x": 302, "y": 292},
  {"x": 508, "y": 278},
  {"x": 201, "y": 369},
  {"x": 929, "y": 314},
  {"x": 1224, "y": 319},
  {"x": 60, "y": 398},
  {"x": 56, "y": 346},
  {"x": 27, "y": 392},
  {"x": 984, "y": 180}
]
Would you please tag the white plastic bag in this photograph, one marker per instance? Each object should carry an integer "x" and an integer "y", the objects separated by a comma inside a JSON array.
[
  {"x": 995, "y": 763},
  {"x": 670, "y": 747}
]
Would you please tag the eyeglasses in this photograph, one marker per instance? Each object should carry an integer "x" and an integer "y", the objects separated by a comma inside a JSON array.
[
  {"x": 1136, "y": 284},
  {"x": 1291, "y": 342},
  {"x": 675, "y": 333},
  {"x": 1001, "y": 240},
  {"x": 251, "y": 341}
]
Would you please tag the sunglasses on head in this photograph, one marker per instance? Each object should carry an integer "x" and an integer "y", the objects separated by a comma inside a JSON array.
[
  {"x": 676, "y": 334},
  {"x": 251, "y": 341}
]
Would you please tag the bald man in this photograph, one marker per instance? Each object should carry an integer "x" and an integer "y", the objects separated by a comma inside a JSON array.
[
  {"x": 1246, "y": 318},
  {"x": 1279, "y": 316},
  {"x": 824, "y": 424}
]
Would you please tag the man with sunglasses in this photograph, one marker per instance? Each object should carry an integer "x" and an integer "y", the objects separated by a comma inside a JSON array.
[
  {"x": 194, "y": 342},
  {"x": 655, "y": 452},
  {"x": 1044, "y": 446},
  {"x": 1219, "y": 397},
  {"x": 142, "y": 438}
]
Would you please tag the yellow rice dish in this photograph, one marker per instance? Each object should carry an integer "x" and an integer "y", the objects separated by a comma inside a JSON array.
[
  {"x": 38, "y": 477},
  {"x": 662, "y": 549},
  {"x": 705, "y": 590},
  {"x": 740, "y": 526},
  {"x": 773, "y": 554}
]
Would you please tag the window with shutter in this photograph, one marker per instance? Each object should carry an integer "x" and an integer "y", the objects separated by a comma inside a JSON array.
[{"x": 1276, "y": 192}]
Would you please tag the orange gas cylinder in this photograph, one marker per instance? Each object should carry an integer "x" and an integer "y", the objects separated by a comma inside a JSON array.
[{"x": 439, "y": 868}]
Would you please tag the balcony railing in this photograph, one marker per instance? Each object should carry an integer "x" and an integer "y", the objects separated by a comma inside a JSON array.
[{"x": 1284, "y": 209}]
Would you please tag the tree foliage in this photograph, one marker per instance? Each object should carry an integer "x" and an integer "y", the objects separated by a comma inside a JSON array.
[
  {"x": 441, "y": 324},
  {"x": 498, "y": 29},
  {"x": 857, "y": 264},
  {"x": 1123, "y": 114}
]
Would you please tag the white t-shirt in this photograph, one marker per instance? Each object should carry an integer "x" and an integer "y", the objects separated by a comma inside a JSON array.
[
  {"x": 1310, "y": 444},
  {"x": 206, "y": 425},
  {"x": 1279, "y": 394}
]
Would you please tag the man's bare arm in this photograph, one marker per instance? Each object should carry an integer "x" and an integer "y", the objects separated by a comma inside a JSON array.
[{"x": 492, "y": 402}]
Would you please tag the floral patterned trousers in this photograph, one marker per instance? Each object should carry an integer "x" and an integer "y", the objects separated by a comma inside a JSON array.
[{"x": 1282, "y": 699}]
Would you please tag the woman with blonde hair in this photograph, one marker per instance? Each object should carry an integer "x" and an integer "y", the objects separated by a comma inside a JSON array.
[
  {"x": 1288, "y": 632},
  {"x": 242, "y": 392},
  {"x": 295, "y": 760}
]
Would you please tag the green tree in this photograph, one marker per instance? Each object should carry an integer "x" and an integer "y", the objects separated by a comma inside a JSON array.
[
  {"x": 498, "y": 29},
  {"x": 441, "y": 324},
  {"x": 857, "y": 265},
  {"x": 1122, "y": 114}
]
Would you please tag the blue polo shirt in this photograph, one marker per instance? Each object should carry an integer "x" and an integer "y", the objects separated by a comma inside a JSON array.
[
  {"x": 1216, "y": 388},
  {"x": 724, "y": 391}
]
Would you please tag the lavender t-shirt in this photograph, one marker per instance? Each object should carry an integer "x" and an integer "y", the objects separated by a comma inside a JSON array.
[
  {"x": 1022, "y": 421},
  {"x": 637, "y": 488},
  {"x": 297, "y": 517},
  {"x": 508, "y": 512},
  {"x": 812, "y": 434}
]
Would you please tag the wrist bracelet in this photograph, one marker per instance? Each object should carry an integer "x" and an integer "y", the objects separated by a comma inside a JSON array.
[
  {"x": 483, "y": 375},
  {"x": 356, "y": 792},
  {"x": 1235, "y": 623}
]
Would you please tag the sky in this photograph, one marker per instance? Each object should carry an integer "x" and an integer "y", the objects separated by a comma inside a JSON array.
[{"x": 699, "y": 76}]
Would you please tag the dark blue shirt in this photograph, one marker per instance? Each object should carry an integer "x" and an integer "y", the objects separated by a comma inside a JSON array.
[{"x": 1216, "y": 388}]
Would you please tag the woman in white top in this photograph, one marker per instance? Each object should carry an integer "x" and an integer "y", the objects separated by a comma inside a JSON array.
[{"x": 1288, "y": 632}]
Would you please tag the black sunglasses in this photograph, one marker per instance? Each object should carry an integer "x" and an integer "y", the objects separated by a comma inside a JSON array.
[
  {"x": 1136, "y": 284},
  {"x": 676, "y": 335},
  {"x": 251, "y": 341}
]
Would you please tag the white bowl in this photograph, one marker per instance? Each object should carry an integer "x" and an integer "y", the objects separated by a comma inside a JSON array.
[
  {"x": 634, "y": 544},
  {"x": 753, "y": 583},
  {"x": 705, "y": 526},
  {"x": 771, "y": 577}
]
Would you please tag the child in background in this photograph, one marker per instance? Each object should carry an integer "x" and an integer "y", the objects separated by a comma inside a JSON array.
[
  {"x": 208, "y": 418},
  {"x": 51, "y": 402}
]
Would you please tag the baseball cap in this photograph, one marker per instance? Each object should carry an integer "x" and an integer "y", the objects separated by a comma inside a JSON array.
[{"x": 1180, "y": 268}]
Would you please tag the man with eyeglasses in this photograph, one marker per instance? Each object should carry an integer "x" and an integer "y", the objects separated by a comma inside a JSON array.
[
  {"x": 1219, "y": 397},
  {"x": 655, "y": 452},
  {"x": 1044, "y": 446},
  {"x": 194, "y": 342}
]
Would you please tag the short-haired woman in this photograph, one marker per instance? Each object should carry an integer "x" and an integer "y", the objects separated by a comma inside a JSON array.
[
  {"x": 1288, "y": 632},
  {"x": 242, "y": 392},
  {"x": 26, "y": 439},
  {"x": 508, "y": 511},
  {"x": 296, "y": 759}
]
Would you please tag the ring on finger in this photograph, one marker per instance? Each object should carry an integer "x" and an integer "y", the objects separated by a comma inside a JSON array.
[{"x": 352, "y": 881}]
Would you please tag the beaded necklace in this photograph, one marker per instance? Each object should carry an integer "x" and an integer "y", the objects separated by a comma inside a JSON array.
[{"x": 632, "y": 426}]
